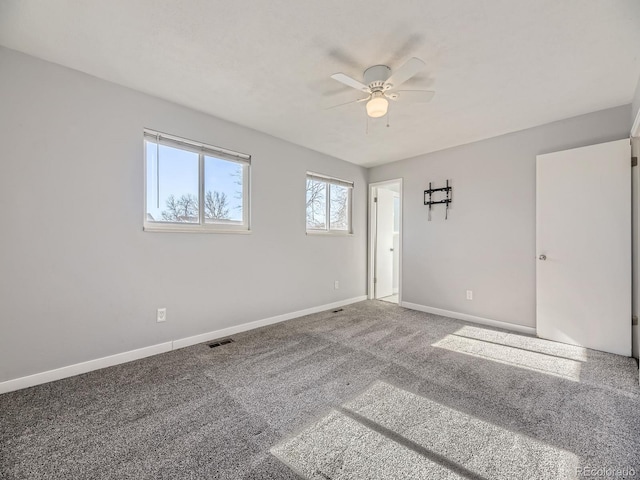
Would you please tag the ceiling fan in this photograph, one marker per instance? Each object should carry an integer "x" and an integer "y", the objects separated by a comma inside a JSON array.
[{"x": 380, "y": 85}]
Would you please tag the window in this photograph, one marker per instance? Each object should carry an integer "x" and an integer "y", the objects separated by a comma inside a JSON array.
[
  {"x": 328, "y": 204},
  {"x": 194, "y": 187}
]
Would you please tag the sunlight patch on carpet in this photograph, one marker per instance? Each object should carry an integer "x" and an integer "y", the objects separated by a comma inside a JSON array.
[
  {"x": 516, "y": 357},
  {"x": 388, "y": 432},
  {"x": 533, "y": 344}
]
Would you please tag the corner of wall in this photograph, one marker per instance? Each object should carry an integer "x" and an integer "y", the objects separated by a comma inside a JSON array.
[{"x": 635, "y": 105}]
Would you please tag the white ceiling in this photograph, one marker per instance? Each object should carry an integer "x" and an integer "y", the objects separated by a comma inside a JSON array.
[{"x": 497, "y": 65}]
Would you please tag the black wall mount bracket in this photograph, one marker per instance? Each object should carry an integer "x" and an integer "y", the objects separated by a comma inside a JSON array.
[{"x": 428, "y": 198}]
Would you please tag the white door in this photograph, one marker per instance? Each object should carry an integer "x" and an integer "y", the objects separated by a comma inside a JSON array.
[
  {"x": 384, "y": 244},
  {"x": 584, "y": 246}
]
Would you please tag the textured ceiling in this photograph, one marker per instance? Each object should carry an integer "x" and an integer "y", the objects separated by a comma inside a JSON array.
[{"x": 497, "y": 65}]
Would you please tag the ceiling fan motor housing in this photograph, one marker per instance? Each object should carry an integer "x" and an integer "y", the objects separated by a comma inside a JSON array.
[
  {"x": 375, "y": 76},
  {"x": 379, "y": 84}
]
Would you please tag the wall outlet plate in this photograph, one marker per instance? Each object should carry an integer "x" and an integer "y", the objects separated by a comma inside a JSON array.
[
  {"x": 161, "y": 315},
  {"x": 336, "y": 285},
  {"x": 469, "y": 295}
]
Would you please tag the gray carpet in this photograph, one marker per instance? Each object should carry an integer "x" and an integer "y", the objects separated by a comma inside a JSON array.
[{"x": 373, "y": 391}]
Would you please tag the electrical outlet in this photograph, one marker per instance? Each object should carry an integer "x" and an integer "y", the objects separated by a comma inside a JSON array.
[
  {"x": 161, "y": 316},
  {"x": 336, "y": 285},
  {"x": 469, "y": 295}
]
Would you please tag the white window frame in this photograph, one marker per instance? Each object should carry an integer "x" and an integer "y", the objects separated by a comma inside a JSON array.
[
  {"x": 330, "y": 181},
  {"x": 202, "y": 150}
]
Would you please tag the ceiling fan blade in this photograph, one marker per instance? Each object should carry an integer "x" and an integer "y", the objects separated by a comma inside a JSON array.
[
  {"x": 349, "y": 103},
  {"x": 404, "y": 73},
  {"x": 411, "y": 96},
  {"x": 350, "y": 82}
]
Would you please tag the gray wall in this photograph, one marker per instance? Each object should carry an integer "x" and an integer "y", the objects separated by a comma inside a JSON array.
[
  {"x": 80, "y": 279},
  {"x": 488, "y": 243}
]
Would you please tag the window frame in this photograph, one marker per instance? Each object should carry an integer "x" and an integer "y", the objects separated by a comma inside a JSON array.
[
  {"x": 328, "y": 180},
  {"x": 203, "y": 150}
]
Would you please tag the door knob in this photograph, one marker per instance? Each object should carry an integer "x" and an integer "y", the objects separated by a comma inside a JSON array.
[
  {"x": 542, "y": 257},
  {"x": 391, "y": 249}
]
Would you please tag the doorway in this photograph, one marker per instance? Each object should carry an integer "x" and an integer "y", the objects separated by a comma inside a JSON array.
[{"x": 385, "y": 241}]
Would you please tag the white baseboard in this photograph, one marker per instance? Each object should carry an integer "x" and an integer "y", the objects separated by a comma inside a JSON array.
[
  {"x": 205, "y": 337},
  {"x": 124, "y": 357},
  {"x": 469, "y": 318},
  {"x": 84, "y": 367}
]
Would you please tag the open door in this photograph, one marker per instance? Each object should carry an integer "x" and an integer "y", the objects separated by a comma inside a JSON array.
[
  {"x": 384, "y": 243},
  {"x": 583, "y": 232}
]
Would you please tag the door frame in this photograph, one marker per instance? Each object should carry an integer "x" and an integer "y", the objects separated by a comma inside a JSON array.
[
  {"x": 372, "y": 238},
  {"x": 635, "y": 232}
]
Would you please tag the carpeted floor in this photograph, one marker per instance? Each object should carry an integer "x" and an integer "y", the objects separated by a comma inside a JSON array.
[{"x": 372, "y": 391}]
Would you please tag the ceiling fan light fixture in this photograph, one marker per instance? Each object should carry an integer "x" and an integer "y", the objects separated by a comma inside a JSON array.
[
  {"x": 377, "y": 106},
  {"x": 381, "y": 84}
]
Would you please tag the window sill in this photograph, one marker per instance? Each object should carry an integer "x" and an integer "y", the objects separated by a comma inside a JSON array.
[
  {"x": 329, "y": 233},
  {"x": 193, "y": 229}
]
